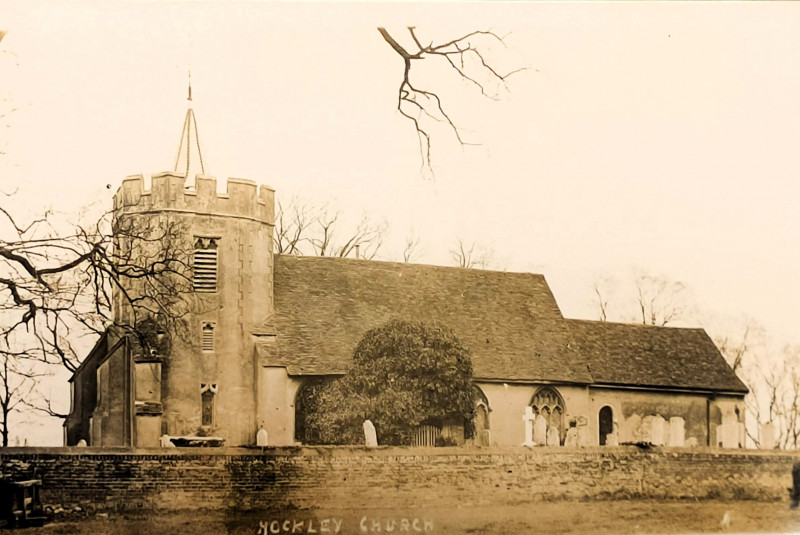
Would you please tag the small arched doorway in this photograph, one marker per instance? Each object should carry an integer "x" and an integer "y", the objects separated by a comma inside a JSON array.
[{"x": 606, "y": 423}]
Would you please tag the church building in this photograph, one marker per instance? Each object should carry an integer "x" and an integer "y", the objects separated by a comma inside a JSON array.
[{"x": 262, "y": 325}]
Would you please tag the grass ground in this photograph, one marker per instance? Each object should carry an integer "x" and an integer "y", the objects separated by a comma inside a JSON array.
[{"x": 595, "y": 518}]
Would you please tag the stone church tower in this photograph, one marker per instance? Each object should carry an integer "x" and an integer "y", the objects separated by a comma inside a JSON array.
[{"x": 205, "y": 384}]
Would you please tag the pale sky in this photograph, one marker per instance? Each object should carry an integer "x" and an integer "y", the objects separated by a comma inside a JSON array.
[{"x": 654, "y": 136}]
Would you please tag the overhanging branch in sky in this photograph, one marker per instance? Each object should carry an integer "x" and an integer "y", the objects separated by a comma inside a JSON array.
[{"x": 470, "y": 57}]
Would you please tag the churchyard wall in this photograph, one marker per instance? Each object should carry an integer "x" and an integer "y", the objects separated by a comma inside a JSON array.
[{"x": 330, "y": 477}]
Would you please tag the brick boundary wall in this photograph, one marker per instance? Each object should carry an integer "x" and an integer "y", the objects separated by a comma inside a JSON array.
[{"x": 343, "y": 477}]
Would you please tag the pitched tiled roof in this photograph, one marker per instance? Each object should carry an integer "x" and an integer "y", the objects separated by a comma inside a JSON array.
[
  {"x": 510, "y": 322},
  {"x": 641, "y": 355}
]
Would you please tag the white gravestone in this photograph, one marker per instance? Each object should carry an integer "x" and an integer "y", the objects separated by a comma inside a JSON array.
[
  {"x": 370, "y": 437},
  {"x": 677, "y": 432},
  {"x": 767, "y": 441},
  {"x": 81, "y": 443},
  {"x": 528, "y": 419},
  {"x": 540, "y": 430},
  {"x": 583, "y": 431},
  {"x": 571, "y": 439},
  {"x": 728, "y": 435},
  {"x": 657, "y": 431},
  {"x": 165, "y": 442},
  {"x": 262, "y": 438},
  {"x": 553, "y": 437}
]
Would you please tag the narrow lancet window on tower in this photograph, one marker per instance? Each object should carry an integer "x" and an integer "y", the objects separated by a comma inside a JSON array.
[
  {"x": 207, "y": 393},
  {"x": 204, "y": 265}
]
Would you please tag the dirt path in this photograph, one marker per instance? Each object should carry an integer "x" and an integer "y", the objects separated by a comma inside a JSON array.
[{"x": 595, "y": 518}]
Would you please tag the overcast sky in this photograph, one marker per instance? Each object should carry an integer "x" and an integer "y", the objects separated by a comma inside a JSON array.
[{"x": 649, "y": 136}]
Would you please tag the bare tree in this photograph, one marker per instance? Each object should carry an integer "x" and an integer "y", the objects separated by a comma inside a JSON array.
[
  {"x": 660, "y": 300},
  {"x": 19, "y": 377},
  {"x": 471, "y": 256},
  {"x": 410, "y": 252},
  {"x": 56, "y": 286},
  {"x": 469, "y": 56},
  {"x": 646, "y": 298},
  {"x": 301, "y": 228},
  {"x": 292, "y": 224},
  {"x": 603, "y": 289}
]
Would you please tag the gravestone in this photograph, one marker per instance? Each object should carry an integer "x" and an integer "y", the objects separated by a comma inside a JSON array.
[
  {"x": 81, "y": 443},
  {"x": 677, "y": 432},
  {"x": 634, "y": 424},
  {"x": 612, "y": 438},
  {"x": 583, "y": 430},
  {"x": 262, "y": 438},
  {"x": 370, "y": 437},
  {"x": 767, "y": 441},
  {"x": 165, "y": 442},
  {"x": 540, "y": 430},
  {"x": 657, "y": 431},
  {"x": 553, "y": 437},
  {"x": 728, "y": 435},
  {"x": 646, "y": 429},
  {"x": 528, "y": 419},
  {"x": 572, "y": 437}
]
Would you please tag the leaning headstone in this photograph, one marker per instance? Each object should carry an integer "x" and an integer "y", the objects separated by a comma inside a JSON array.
[
  {"x": 528, "y": 419},
  {"x": 540, "y": 430},
  {"x": 81, "y": 443},
  {"x": 370, "y": 437},
  {"x": 677, "y": 432},
  {"x": 767, "y": 441},
  {"x": 262, "y": 438},
  {"x": 572, "y": 437},
  {"x": 553, "y": 437},
  {"x": 657, "y": 431}
]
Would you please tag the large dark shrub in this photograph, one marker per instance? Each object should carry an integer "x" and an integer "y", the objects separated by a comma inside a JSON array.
[{"x": 403, "y": 374}]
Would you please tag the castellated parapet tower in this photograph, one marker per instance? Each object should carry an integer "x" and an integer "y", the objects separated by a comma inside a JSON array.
[{"x": 205, "y": 386}]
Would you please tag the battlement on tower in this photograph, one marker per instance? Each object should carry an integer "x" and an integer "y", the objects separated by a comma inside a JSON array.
[{"x": 168, "y": 192}]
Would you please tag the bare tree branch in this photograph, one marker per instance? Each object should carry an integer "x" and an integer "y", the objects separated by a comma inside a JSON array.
[
  {"x": 468, "y": 56},
  {"x": 472, "y": 256}
]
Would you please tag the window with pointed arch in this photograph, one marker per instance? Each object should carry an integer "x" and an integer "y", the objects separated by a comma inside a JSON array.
[
  {"x": 549, "y": 403},
  {"x": 480, "y": 421},
  {"x": 207, "y": 393}
]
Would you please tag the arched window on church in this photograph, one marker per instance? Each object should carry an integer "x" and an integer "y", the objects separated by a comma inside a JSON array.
[
  {"x": 480, "y": 421},
  {"x": 207, "y": 393},
  {"x": 548, "y": 403}
]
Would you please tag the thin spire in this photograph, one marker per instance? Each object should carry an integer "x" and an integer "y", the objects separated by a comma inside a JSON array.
[{"x": 185, "y": 145}]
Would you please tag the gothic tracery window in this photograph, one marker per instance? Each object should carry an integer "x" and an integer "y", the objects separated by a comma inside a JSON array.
[{"x": 549, "y": 403}]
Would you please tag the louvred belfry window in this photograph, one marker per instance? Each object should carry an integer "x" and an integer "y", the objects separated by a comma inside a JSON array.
[{"x": 205, "y": 265}]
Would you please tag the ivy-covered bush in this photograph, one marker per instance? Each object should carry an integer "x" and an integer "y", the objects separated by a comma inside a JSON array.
[{"x": 403, "y": 374}]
